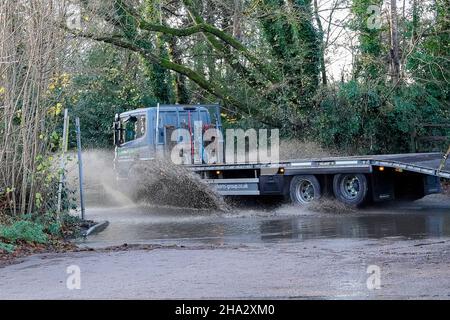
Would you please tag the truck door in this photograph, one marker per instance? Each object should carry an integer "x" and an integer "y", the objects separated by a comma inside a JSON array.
[{"x": 133, "y": 144}]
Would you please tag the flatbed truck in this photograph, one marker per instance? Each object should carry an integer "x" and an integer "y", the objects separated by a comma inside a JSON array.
[{"x": 141, "y": 134}]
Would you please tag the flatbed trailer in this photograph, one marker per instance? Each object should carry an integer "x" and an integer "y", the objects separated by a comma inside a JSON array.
[
  {"x": 353, "y": 180},
  {"x": 378, "y": 177}
]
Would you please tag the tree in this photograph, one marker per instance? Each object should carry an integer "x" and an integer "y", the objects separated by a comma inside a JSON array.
[
  {"x": 30, "y": 77},
  {"x": 370, "y": 62},
  {"x": 105, "y": 81},
  {"x": 294, "y": 68},
  {"x": 263, "y": 61}
]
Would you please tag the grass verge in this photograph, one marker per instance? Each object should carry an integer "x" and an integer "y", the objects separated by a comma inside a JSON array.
[{"x": 25, "y": 235}]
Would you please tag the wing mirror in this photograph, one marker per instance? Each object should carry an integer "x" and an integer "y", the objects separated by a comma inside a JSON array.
[{"x": 117, "y": 126}]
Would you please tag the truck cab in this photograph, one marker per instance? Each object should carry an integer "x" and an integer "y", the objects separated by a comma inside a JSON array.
[{"x": 143, "y": 134}]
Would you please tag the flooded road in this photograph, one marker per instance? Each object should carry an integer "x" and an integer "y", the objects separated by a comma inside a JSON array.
[
  {"x": 285, "y": 223},
  {"x": 252, "y": 252}
]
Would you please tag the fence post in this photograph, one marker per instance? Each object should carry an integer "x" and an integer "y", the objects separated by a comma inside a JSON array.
[{"x": 80, "y": 166}]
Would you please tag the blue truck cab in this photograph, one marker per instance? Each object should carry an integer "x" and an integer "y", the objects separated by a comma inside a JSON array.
[{"x": 141, "y": 134}]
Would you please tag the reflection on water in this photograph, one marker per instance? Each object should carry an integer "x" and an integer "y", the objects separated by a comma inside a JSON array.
[
  {"x": 374, "y": 226},
  {"x": 179, "y": 226}
]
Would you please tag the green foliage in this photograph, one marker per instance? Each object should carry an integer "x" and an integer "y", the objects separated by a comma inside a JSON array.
[
  {"x": 367, "y": 114},
  {"x": 47, "y": 177},
  {"x": 110, "y": 81},
  {"x": 51, "y": 224},
  {"x": 54, "y": 224},
  {"x": 54, "y": 228},
  {"x": 24, "y": 230},
  {"x": 369, "y": 61},
  {"x": 160, "y": 78},
  {"x": 9, "y": 248},
  {"x": 429, "y": 64},
  {"x": 370, "y": 114},
  {"x": 357, "y": 118},
  {"x": 38, "y": 228},
  {"x": 294, "y": 43}
]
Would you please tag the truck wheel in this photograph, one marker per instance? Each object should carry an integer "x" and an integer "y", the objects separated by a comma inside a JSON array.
[
  {"x": 350, "y": 188},
  {"x": 304, "y": 189}
]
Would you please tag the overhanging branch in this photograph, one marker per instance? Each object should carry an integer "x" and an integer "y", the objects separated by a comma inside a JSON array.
[{"x": 201, "y": 81}]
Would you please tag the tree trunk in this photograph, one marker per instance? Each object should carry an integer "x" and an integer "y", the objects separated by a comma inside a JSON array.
[
  {"x": 415, "y": 21},
  {"x": 323, "y": 70},
  {"x": 395, "y": 57},
  {"x": 237, "y": 19}
]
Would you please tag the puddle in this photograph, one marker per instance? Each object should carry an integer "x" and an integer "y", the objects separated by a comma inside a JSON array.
[{"x": 168, "y": 225}]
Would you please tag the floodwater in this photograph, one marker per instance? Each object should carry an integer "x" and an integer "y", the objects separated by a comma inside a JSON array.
[
  {"x": 428, "y": 218},
  {"x": 250, "y": 252}
]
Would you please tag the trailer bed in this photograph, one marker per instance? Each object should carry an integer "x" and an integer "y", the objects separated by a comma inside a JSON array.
[
  {"x": 424, "y": 163},
  {"x": 427, "y": 163}
]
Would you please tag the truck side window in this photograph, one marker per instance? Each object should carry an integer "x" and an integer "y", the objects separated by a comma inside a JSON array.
[
  {"x": 134, "y": 128},
  {"x": 161, "y": 135},
  {"x": 140, "y": 127},
  {"x": 130, "y": 133}
]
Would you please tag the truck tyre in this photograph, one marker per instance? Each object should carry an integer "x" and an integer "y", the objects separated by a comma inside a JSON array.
[
  {"x": 304, "y": 189},
  {"x": 350, "y": 188}
]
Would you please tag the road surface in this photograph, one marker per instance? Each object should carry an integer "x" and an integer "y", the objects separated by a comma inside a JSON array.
[{"x": 280, "y": 252}]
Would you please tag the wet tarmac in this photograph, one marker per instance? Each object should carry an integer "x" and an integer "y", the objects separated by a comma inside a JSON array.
[
  {"x": 253, "y": 252},
  {"x": 429, "y": 218}
]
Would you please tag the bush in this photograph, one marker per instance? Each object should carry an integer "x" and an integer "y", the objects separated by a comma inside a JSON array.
[
  {"x": 24, "y": 230},
  {"x": 9, "y": 248},
  {"x": 367, "y": 119},
  {"x": 56, "y": 227}
]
